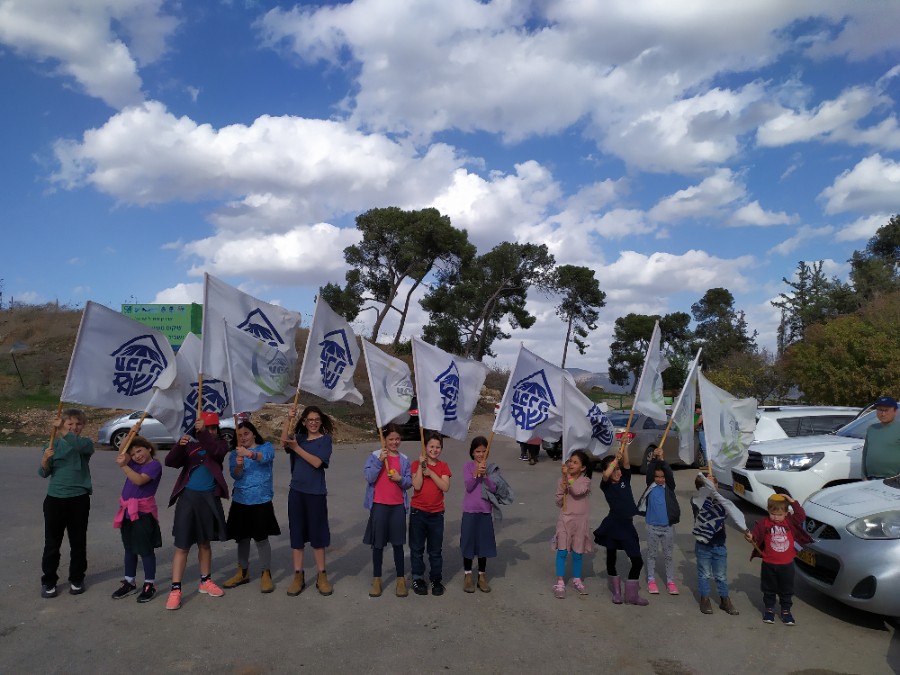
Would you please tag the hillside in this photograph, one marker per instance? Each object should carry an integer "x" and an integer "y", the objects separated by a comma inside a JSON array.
[{"x": 48, "y": 334}]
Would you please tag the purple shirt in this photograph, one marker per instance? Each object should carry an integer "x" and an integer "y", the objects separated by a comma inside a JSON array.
[
  {"x": 152, "y": 469},
  {"x": 473, "y": 502}
]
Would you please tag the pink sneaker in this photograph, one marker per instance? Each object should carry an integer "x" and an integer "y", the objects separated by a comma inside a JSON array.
[
  {"x": 174, "y": 601},
  {"x": 652, "y": 588},
  {"x": 209, "y": 587},
  {"x": 559, "y": 589},
  {"x": 671, "y": 587},
  {"x": 579, "y": 586}
]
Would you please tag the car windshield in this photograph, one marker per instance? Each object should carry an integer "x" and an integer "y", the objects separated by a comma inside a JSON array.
[
  {"x": 618, "y": 419},
  {"x": 858, "y": 427}
]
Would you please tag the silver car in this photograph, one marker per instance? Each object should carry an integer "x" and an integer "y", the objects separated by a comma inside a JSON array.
[
  {"x": 855, "y": 553},
  {"x": 644, "y": 436},
  {"x": 113, "y": 431}
]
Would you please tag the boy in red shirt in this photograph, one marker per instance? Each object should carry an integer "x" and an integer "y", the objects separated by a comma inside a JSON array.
[
  {"x": 775, "y": 537},
  {"x": 430, "y": 480}
]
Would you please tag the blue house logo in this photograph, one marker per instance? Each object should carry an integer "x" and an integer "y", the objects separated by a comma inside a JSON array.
[
  {"x": 259, "y": 326},
  {"x": 137, "y": 365},
  {"x": 601, "y": 427},
  {"x": 334, "y": 357},
  {"x": 532, "y": 399},
  {"x": 215, "y": 399},
  {"x": 448, "y": 385}
]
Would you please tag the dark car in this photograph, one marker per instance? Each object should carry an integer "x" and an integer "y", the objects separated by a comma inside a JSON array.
[{"x": 409, "y": 430}]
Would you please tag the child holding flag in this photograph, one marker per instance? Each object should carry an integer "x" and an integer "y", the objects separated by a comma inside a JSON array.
[
  {"x": 709, "y": 548},
  {"x": 476, "y": 538},
  {"x": 572, "y": 527},
  {"x": 430, "y": 480},
  {"x": 660, "y": 506}
]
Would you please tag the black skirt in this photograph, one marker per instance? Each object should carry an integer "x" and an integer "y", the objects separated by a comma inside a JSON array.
[
  {"x": 252, "y": 521},
  {"x": 199, "y": 518},
  {"x": 476, "y": 537},
  {"x": 387, "y": 525},
  {"x": 141, "y": 536}
]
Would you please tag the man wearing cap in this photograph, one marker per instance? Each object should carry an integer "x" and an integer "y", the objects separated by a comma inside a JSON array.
[{"x": 881, "y": 451}]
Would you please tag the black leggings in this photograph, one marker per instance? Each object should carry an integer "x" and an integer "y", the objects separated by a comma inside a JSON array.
[
  {"x": 482, "y": 564},
  {"x": 378, "y": 557},
  {"x": 637, "y": 563}
]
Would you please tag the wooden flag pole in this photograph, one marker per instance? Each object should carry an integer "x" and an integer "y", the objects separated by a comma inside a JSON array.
[
  {"x": 53, "y": 433},
  {"x": 126, "y": 443}
]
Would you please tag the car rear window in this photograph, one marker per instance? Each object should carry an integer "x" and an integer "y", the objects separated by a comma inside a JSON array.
[{"x": 813, "y": 425}]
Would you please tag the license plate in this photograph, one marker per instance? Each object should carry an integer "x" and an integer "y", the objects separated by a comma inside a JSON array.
[
  {"x": 807, "y": 556},
  {"x": 739, "y": 488}
]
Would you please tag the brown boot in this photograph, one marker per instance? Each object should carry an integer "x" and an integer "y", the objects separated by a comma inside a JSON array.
[
  {"x": 401, "y": 588},
  {"x": 375, "y": 588},
  {"x": 297, "y": 585},
  {"x": 726, "y": 606},
  {"x": 240, "y": 577},
  {"x": 483, "y": 584},
  {"x": 265, "y": 582},
  {"x": 705, "y": 605},
  {"x": 468, "y": 583},
  {"x": 322, "y": 583}
]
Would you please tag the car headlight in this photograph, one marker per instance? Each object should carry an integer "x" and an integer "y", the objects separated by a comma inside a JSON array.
[
  {"x": 885, "y": 525},
  {"x": 798, "y": 462}
]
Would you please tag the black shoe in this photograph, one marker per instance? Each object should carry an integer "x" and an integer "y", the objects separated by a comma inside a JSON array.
[
  {"x": 48, "y": 590},
  {"x": 76, "y": 589},
  {"x": 126, "y": 589},
  {"x": 437, "y": 588},
  {"x": 147, "y": 593},
  {"x": 419, "y": 587}
]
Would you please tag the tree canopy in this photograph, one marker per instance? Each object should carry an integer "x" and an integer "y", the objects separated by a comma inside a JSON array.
[
  {"x": 721, "y": 329},
  {"x": 580, "y": 304}
]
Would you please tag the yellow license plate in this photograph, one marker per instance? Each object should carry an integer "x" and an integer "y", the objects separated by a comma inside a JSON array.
[
  {"x": 807, "y": 556},
  {"x": 738, "y": 488}
]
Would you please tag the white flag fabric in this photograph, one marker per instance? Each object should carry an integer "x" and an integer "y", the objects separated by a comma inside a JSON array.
[
  {"x": 447, "y": 387},
  {"x": 391, "y": 384},
  {"x": 272, "y": 324},
  {"x": 259, "y": 373},
  {"x": 532, "y": 402},
  {"x": 683, "y": 413},
  {"x": 331, "y": 357},
  {"x": 728, "y": 423},
  {"x": 116, "y": 361},
  {"x": 176, "y": 406},
  {"x": 648, "y": 397},
  {"x": 585, "y": 424},
  {"x": 731, "y": 509}
]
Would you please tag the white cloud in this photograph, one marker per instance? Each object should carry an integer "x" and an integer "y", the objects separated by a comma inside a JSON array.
[
  {"x": 180, "y": 293},
  {"x": 704, "y": 200},
  {"x": 804, "y": 234},
  {"x": 872, "y": 185},
  {"x": 754, "y": 214},
  {"x": 862, "y": 228}
]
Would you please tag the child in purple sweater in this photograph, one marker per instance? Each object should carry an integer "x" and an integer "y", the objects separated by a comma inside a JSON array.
[{"x": 476, "y": 538}]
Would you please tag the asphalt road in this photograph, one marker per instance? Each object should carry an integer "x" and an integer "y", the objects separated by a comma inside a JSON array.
[{"x": 518, "y": 628}]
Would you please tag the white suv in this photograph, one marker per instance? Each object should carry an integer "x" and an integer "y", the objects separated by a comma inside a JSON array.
[{"x": 800, "y": 466}]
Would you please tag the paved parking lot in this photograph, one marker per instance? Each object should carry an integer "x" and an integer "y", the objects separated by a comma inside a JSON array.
[{"x": 518, "y": 628}]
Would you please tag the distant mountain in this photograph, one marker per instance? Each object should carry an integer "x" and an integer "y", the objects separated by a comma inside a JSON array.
[{"x": 587, "y": 379}]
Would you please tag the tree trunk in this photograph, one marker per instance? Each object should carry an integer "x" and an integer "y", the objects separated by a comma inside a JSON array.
[
  {"x": 566, "y": 345},
  {"x": 404, "y": 313}
]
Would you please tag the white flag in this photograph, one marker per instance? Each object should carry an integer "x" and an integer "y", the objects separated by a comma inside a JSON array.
[
  {"x": 731, "y": 509},
  {"x": 728, "y": 423},
  {"x": 258, "y": 372},
  {"x": 272, "y": 324},
  {"x": 331, "y": 357},
  {"x": 391, "y": 384},
  {"x": 683, "y": 413},
  {"x": 532, "y": 403},
  {"x": 585, "y": 424},
  {"x": 648, "y": 397},
  {"x": 448, "y": 388},
  {"x": 116, "y": 361}
]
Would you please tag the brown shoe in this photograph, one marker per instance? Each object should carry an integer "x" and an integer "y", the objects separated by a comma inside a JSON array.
[
  {"x": 297, "y": 585},
  {"x": 265, "y": 582},
  {"x": 483, "y": 584},
  {"x": 705, "y": 605},
  {"x": 726, "y": 606},
  {"x": 375, "y": 588},
  {"x": 322, "y": 583},
  {"x": 240, "y": 577},
  {"x": 468, "y": 583},
  {"x": 401, "y": 591}
]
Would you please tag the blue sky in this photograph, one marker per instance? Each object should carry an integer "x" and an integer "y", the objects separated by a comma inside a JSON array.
[{"x": 671, "y": 147}]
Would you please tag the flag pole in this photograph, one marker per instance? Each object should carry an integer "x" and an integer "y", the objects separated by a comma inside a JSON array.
[
  {"x": 680, "y": 398},
  {"x": 123, "y": 447},
  {"x": 637, "y": 389},
  {"x": 53, "y": 433},
  {"x": 365, "y": 352}
]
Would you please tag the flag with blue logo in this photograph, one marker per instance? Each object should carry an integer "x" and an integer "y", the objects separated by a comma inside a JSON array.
[
  {"x": 648, "y": 397},
  {"x": 331, "y": 357},
  {"x": 447, "y": 388},
  {"x": 391, "y": 384},
  {"x": 683, "y": 413},
  {"x": 176, "y": 406},
  {"x": 259, "y": 373},
  {"x": 274, "y": 325},
  {"x": 585, "y": 424},
  {"x": 116, "y": 361},
  {"x": 532, "y": 403}
]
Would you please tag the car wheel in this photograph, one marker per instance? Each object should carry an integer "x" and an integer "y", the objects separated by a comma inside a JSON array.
[
  {"x": 118, "y": 436},
  {"x": 227, "y": 435}
]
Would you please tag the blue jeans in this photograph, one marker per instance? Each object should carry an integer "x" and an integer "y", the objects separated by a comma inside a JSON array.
[
  {"x": 426, "y": 528},
  {"x": 711, "y": 561}
]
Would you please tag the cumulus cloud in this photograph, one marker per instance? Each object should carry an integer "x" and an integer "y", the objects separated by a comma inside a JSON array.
[
  {"x": 872, "y": 185},
  {"x": 754, "y": 214},
  {"x": 704, "y": 200},
  {"x": 862, "y": 228},
  {"x": 180, "y": 293},
  {"x": 804, "y": 234}
]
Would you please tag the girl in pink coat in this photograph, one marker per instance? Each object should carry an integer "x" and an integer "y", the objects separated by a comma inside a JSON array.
[{"x": 573, "y": 532}]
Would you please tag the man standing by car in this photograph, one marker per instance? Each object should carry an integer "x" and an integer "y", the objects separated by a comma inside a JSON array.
[{"x": 881, "y": 451}]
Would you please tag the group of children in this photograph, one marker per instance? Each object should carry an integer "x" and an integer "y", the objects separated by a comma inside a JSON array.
[
  {"x": 773, "y": 537},
  {"x": 199, "y": 517}
]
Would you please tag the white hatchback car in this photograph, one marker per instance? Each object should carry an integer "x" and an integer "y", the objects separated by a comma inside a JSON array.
[
  {"x": 855, "y": 553},
  {"x": 800, "y": 466}
]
